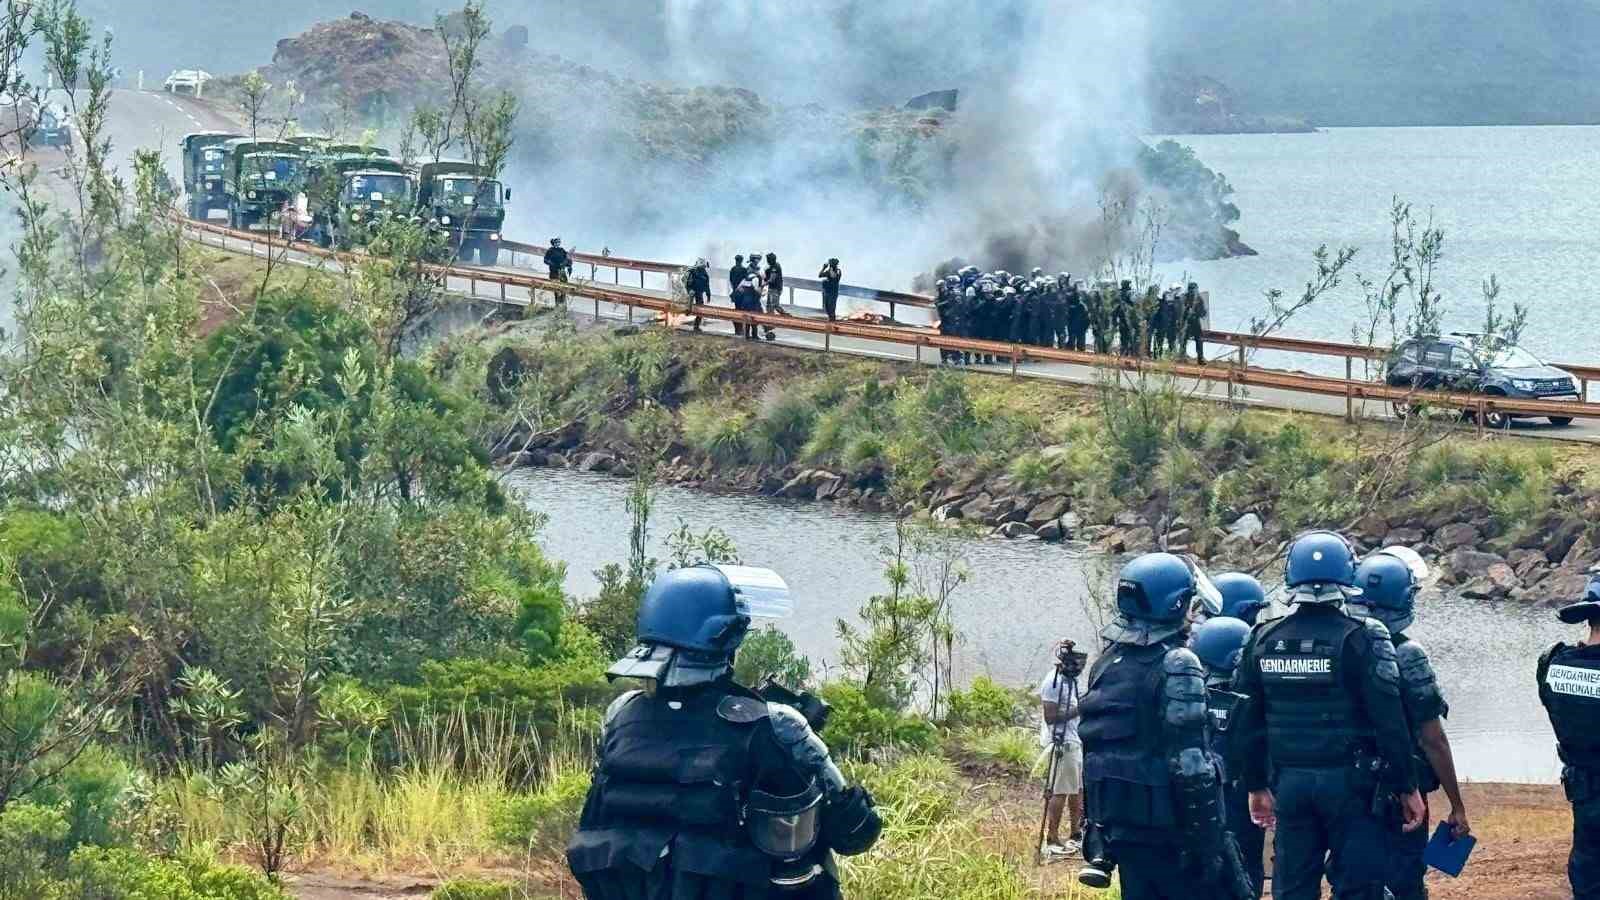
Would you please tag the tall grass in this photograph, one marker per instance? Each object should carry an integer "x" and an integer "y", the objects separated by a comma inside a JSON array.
[{"x": 459, "y": 793}]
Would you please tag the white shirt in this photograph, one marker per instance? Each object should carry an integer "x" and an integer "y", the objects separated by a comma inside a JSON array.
[{"x": 1058, "y": 690}]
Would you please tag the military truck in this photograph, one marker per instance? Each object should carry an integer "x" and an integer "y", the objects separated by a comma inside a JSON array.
[
  {"x": 203, "y": 171},
  {"x": 454, "y": 197},
  {"x": 309, "y": 143},
  {"x": 259, "y": 177},
  {"x": 350, "y": 195},
  {"x": 340, "y": 151}
]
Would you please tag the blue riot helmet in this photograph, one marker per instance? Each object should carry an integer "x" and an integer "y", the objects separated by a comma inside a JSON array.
[
  {"x": 1321, "y": 569},
  {"x": 1587, "y": 607},
  {"x": 1242, "y": 596},
  {"x": 1219, "y": 642},
  {"x": 1388, "y": 590},
  {"x": 692, "y": 620},
  {"x": 1156, "y": 587}
]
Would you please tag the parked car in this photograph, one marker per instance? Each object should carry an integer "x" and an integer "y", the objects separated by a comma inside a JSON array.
[{"x": 1478, "y": 364}]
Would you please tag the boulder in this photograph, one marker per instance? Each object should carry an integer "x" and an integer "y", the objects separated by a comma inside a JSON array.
[
  {"x": 556, "y": 461},
  {"x": 1561, "y": 588},
  {"x": 1524, "y": 561},
  {"x": 1371, "y": 526},
  {"x": 1503, "y": 578},
  {"x": 1560, "y": 540},
  {"x": 948, "y": 496},
  {"x": 1071, "y": 524},
  {"x": 1483, "y": 589},
  {"x": 947, "y": 513},
  {"x": 1047, "y": 511},
  {"x": 1050, "y": 531},
  {"x": 1457, "y": 535},
  {"x": 1405, "y": 537},
  {"x": 1128, "y": 519},
  {"x": 831, "y": 489},
  {"x": 978, "y": 508},
  {"x": 1013, "y": 530},
  {"x": 1179, "y": 537},
  {"x": 798, "y": 488},
  {"x": 597, "y": 462},
  {"x": 1578, "y": 556},
  {"x": 1465, "y": 565},
  {"x": 1248, "y": 526},
  {"x": 1138, "y": 540}
]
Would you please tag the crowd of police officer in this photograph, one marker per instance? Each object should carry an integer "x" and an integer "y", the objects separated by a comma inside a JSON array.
[
  {"x": 1055, "y": 311},
  {"x": 1201, "y": 727}
]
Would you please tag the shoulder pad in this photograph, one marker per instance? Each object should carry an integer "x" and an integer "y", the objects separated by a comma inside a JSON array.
[
  {"x": 1182, "y": 661},
  {"x": 788, "y": 724},
  {"x": 616, "y": 706},
  {"x": 1409, "y": 652},
  {"x": 1376, "y": 629},
  {"x": 741, "y": 710}
]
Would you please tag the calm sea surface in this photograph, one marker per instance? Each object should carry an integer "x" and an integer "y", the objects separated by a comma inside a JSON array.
[
  {"x": 1024, "y": 595},
  {"x": 1519, "y": 203}
]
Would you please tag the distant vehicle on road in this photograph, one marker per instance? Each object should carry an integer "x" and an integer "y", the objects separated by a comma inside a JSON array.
[
  {"x": 259, "y": 177},
  {"x": 203, "y": 171},
  {"x": 186, "y": 81},
  {"x": 454, "y": 197},
  {"x": 54, "y": 128},
  {"x": 1478, "y": 364}
]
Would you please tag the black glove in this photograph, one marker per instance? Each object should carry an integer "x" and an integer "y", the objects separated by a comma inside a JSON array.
[{"x": 850, "y": 822}]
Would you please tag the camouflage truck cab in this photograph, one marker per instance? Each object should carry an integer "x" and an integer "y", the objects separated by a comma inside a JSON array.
[
  {"x": 259, "y": 177},
  {"x": 203, "y": 171},
  {"x": 455, "y": 197},
  {"x": 353, "y": 194}
]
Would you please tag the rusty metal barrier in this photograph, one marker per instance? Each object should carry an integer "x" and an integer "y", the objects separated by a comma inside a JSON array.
[{"x": 1233, "y": 374}]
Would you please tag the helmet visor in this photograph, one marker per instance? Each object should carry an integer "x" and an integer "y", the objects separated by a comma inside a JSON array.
[
  {"x": 759, "y": 593},
  {"x": 1412, "y": 559},
  {"x": 1205, "y": 593}
]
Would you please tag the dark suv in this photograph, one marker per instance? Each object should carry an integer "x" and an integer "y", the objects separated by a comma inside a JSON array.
[{"x": 1478, "y": 364}]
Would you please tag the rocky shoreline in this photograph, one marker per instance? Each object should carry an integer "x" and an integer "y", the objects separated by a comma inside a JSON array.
[{"x": 1545, "y": 563}]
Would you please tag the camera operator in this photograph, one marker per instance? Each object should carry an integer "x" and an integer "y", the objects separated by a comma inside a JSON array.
[{"x": 1058, "y": 738}]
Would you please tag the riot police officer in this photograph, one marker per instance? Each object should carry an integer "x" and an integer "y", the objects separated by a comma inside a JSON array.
[
  {"x": 1077, "y": 313},
  {"x": 1127, "y": 319},
  {"x": 1326, "y": 721},
  {"x": 1242, "y": 596},
  {"x": 703, "y": 788},
  {"x": 1219, "y": 643},
  {"x": 1151, "y": 781},
  {"x": 1389, "y": 581},
  {"x": 559, "y": 264},
  {"x": 948, "y": 303},
  {"x": 1194, "y": 322},
  {"x": 1569, "y": 688}
]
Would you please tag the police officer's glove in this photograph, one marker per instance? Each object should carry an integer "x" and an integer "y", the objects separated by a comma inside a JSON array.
[{"x": 850, "y": 822}]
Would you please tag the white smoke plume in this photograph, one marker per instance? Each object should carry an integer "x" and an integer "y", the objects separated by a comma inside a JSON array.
[{"x": 1052, "y": 97}]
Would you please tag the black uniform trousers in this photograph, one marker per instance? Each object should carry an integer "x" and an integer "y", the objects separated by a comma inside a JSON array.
[
  {"x": 1152, "y": 872},
  {"x": 1323, "y": 811},
  {"x": 1251, "y": 837},
  {"x": 1583, "y": 864}
]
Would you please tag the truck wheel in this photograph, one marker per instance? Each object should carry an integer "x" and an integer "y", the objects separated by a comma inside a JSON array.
[{"x": 489, "y": 253}]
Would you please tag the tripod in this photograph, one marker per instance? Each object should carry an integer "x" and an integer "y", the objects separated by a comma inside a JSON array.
[{"x": 1058, "y": 746}]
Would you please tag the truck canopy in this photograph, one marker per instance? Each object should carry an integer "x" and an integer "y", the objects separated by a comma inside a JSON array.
[
  {"x": 365, "y": 151},
  {"x": 240, "y": 149}
]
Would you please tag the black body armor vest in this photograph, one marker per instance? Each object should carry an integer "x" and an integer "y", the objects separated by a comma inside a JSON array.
[
  {"x": 1125, "y": 766},
  {"x": 1313, "y": 720},
  {"x": 1569, "y": 688}
]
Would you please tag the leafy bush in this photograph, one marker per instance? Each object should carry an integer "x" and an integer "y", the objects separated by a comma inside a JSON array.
[
  {"x": 858, "y": 726},
  {"x": 30, "y": 837},
  {"x": 984, "y": 704},
  {"x": 782, "y": 426},
  {"x": 102, "y": 874},
  {"x": 1013, "y": 749},
  {"x": 526, "y": 694},
  {"x": 94, "y": 795},
  {"x": 768, "y": 651},
  {"x": 543, "y": 820}
]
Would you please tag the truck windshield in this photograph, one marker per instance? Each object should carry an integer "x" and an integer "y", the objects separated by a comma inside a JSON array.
[
  {"x": 470, "y": 190},
  {"x": 273, "y": 167},
  {"x": 377, "y": 188}
]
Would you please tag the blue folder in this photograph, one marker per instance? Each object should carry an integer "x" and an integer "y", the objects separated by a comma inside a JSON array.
[{"x": 1447, "y": 854}]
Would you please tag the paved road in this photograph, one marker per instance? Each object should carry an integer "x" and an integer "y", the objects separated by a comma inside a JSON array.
[{"x": 150, "y": 119}]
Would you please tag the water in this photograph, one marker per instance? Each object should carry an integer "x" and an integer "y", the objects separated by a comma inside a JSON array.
[
  {"x": 1519, "y": 203},
  {"x": 1024, "y": 595}
]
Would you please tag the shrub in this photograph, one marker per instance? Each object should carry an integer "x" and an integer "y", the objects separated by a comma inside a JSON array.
[
  {"x": 473, "y": 889},
  {"x": 543, "y": 820},
  {"x": 858, "y": 725},
  {"x": 93, "y": 794},
  {"x": 782, "y": 426},
  {"x": 985, "y": 704},
  {"x": 1013, "y": 749},
  {"x": 526, "y": 694},
  {"x": 102, "y": 874},
  {"x": 30, "y": 836},
  {"x": 718, "y": 430},
  {"x": 769, "y": 651}
]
